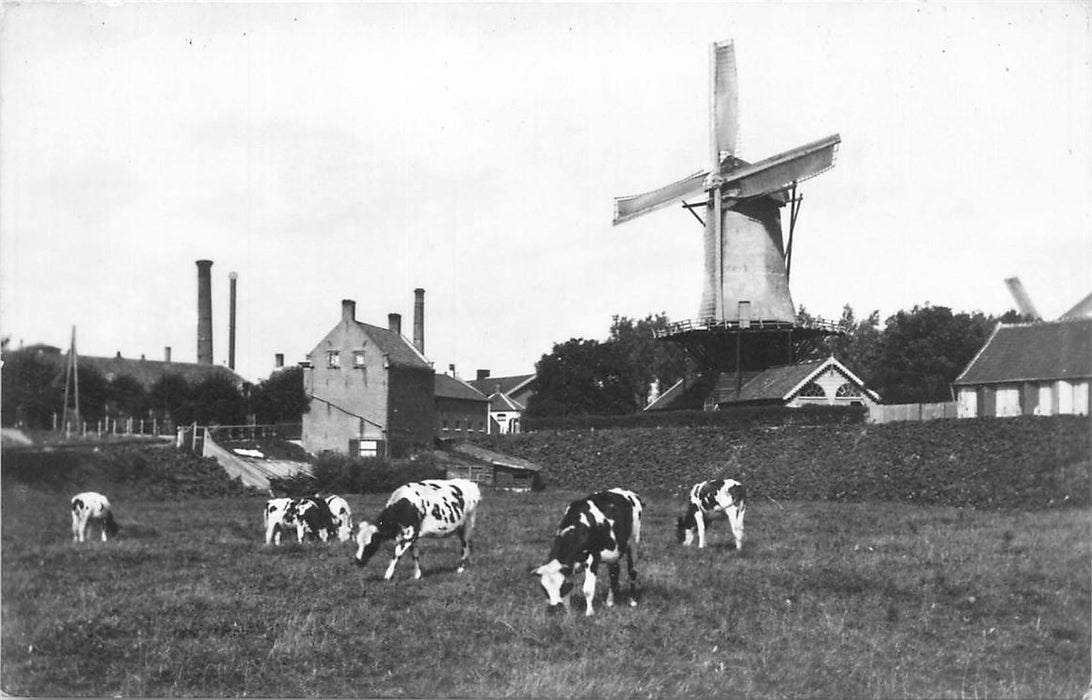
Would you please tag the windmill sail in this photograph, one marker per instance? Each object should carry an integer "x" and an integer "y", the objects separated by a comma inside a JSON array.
[
  {"x": 1022, "y": 299},
  {"x": 634, "y": 205},
  {"x": 725, "y": 102},
  {"x": 784, "y": 169}
]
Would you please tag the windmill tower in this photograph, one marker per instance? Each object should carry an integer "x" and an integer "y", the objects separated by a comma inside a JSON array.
[{"x": 746, "y": 320}]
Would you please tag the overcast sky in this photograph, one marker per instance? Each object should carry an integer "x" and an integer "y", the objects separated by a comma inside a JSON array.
[{"x": 359, "y": 151}]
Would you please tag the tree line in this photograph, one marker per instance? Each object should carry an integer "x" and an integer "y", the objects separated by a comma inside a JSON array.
[
  {"x": 913, "y": 357},
  {"x": 34, "y": 388}
]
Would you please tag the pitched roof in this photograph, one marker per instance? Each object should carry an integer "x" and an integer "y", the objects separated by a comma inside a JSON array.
[
  {"x": 505, "y": 385},
  {"x": 1033, "y": 351},
  {"x": 772, "y": 384},
  {"x": 497, "y": 458},
  {"x": 453, "y": 388},
  {"x": 399, "y": 350},
  {"x": 503, "y": 402},
  {"x": 145, "y": 372}
]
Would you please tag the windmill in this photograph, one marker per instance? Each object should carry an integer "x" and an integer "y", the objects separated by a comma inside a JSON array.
[
  {"x": 746, "y": 320},
  {"x": 1082, "y": 309}
]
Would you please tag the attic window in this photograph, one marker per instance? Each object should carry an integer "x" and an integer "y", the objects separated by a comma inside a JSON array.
[
  {"x": 847, "y": 390},
  {"x": 358, "y": 359},
  {"x": 333, "y": 359},
  {"x": 813, "y": 390}
]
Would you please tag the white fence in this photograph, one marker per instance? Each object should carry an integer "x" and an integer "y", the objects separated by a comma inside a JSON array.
[{"x": 880, "y": 413}]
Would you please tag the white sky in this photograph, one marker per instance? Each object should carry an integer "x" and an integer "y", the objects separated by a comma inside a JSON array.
[{"x": 360, "y": 150}]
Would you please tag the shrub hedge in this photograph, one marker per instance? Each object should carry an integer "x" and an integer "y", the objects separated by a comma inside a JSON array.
[
  {"x": 739, "y": 417},
  {"x": 1027, "y": 462},
  {"x": 156, "y": 473},
  {"x": 335, "y": 473}
]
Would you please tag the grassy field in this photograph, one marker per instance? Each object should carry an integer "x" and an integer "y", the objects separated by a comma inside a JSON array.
[{"x": 827, "y": 599}]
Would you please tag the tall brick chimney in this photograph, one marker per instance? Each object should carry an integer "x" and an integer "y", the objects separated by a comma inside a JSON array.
[
  {"x": 419, "y": 320},
  {"x": 348, "y": 310},
  {"x": 204, "y": 312}
]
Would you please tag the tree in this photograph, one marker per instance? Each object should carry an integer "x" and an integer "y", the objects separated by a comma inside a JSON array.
[
  {"x": 216, "y": 399},
  {"x": 170, "y": 399},
  {"x": 31, "y": 394},
  {"x": 582, "y": 377},
  {"x": 647, "y": 359},
  {"x": 280, "y": 398},
  {"x": 126, "y": 397},
  {"x": 923, "y": 350}
]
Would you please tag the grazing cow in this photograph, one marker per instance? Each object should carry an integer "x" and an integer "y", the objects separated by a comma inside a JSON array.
[
  {"x": 713, "y": 500},
  {"x": 433, "y": 508},
  {"x": 280, "y": 516},
  {"x": 600, "y": 528},
  {"x": 90, "y": 507},
  {"x": 343, "y": 517},
  {"x": 313, "y": 518}
]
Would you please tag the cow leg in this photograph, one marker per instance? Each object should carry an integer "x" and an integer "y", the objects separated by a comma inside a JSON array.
[
  {"x": 400, "y": 548},
  {"x": 699, "y": 523},
  {"x": 416, "y": 561},
  {"x": 632, "y": 571},
  {"x": 614, "y": 571},
  {"x": 735, "y": 519},
  {"x": 75, "y": 527},
  {"x": 589, "y": 585},
  {"x": 464, "y": 538},
  {"x": 102, "y": 528}
]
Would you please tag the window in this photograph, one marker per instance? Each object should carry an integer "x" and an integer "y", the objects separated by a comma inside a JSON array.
[
  {"x": 847, "y": 390},
  {"x": 458, "y": 425},
  {"x": 333, "y": 359},
  {"x": 358, "y": 359},
  {"x": 813, "y": 390}
]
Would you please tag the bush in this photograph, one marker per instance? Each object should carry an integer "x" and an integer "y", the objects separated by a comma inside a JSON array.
[
  {"x": 739, "y": 416},
  {"x": 337, "y": 473}
]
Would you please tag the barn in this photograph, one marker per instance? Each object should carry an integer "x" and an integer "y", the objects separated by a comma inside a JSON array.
[{"x": 1039, "y": 368}]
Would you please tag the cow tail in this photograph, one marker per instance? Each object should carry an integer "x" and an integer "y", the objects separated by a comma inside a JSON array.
[{"x": 111, "y": 524}]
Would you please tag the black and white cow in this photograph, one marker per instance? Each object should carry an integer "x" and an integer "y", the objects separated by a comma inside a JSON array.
[
  {"x": 713, "y": 500},
  {"x": 91, "y": 507},
  {"x": 600, "y": 528},
  {"x": 343, "y": 517},
  {"x": 433, "y": 508},
  {"x": 313, "y": 518},
  {"x": 280, "y": 516}
]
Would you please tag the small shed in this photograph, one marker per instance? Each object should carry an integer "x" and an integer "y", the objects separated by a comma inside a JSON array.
[{"x": 490, "y": 468}]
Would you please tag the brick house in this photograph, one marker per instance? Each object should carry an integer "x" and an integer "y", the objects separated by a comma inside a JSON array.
[
  {"x": 371, "y": 390},
  {"x": 508, "y": 399},
  {"x": 461, "y": 410}
]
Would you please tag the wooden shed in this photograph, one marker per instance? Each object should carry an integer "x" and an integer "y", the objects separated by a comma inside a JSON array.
[{"x": 490, "y": 468}]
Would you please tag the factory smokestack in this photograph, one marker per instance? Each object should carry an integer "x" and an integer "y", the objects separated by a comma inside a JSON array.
[
  {"x": 167, "y": 353},
  {"x": 419, "y": 320},
  {"x": 204, "y": 312},
  {"x": 231, "y": 322}
]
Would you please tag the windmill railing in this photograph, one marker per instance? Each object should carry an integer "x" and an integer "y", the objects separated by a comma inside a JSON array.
[{"x": 711, "y": 324}]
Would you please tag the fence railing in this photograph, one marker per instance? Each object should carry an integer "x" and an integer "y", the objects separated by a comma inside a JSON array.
[{"x": 891, "y": 413}]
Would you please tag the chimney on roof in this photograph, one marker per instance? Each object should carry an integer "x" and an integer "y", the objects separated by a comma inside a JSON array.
[
  {"x": 451, "y": 368},
  {"x": 118, "y": 356},
  {"x": 394, "y": 323},
  {"x": 419, "y": 320},
  {"x": 231, "y": 322},
  {"x": 483, "y": 374},
  {"x": 348, "y": 311},
  {"x": 167, "y": 353},
  {"x": 278, "y": 361},
  {"x": 204, "y": 312}
]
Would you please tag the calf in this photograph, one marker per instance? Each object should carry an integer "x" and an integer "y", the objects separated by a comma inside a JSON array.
[
  {"x": 313, "y": 518},
  {"x": 433, "y": 508},
  {"x": 343, "y": 517},
  {"x": 600, "y": 528},
  {"x": 280, "y": 516},
  {"x": 90, "y": 507},
  {"x": 713, "y": 500}
]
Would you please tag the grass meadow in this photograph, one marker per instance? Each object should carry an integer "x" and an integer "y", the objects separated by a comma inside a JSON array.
[{"x": 826, "y": 600}]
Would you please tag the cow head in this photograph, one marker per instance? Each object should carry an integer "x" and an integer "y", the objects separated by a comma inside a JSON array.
[
  {"x": 552, "y": 576},
  {"x": 367, "y": 542}
]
